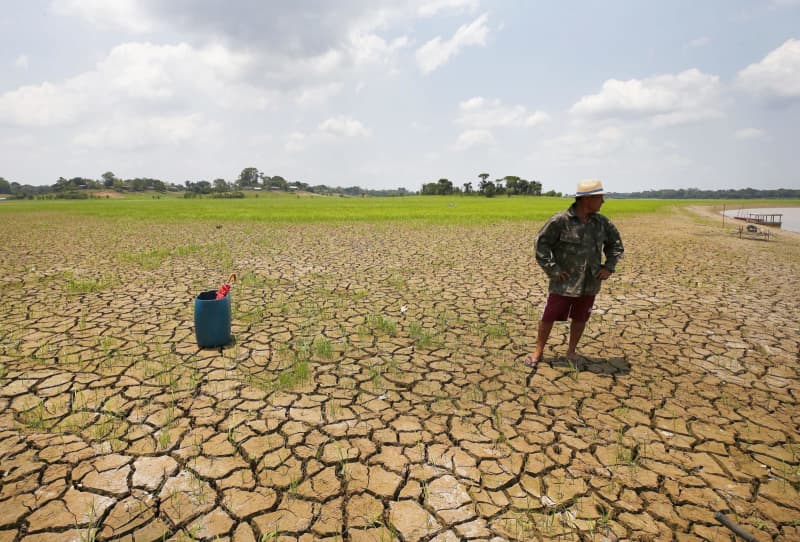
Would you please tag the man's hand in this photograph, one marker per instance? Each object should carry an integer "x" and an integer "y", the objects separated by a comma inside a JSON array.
[
  {"x": 563, "y": 276},
  {"x": 604, "y": 274}
]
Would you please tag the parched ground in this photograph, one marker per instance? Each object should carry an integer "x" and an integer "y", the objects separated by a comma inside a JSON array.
[{"x": 375, "y": 390}]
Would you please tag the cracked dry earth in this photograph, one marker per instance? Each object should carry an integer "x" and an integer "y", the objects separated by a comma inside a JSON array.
[{"x": 375, "y": 390}]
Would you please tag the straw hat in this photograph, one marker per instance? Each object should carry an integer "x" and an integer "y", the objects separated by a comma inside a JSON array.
[{"x": 589, "y": 187}]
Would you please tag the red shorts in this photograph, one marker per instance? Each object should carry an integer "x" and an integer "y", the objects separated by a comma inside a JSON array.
[{"x": 561, "y": 307}]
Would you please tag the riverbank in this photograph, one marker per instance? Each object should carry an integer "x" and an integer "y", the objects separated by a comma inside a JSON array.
[{"x": 790, "y": 216}]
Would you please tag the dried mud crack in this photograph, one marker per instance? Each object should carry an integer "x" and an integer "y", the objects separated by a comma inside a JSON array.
[{"x": 376, "y": 391}]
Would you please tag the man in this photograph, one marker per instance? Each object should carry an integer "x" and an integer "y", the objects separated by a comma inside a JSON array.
[{"x": 570, "y": 248}]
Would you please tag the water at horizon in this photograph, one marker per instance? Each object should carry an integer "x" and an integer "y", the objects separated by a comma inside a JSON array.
[{"x": 790, "y": 220}]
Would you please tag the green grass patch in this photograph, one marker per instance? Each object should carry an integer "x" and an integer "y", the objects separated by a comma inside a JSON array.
[
  {"x": 322, "y": 347},
  {"x": 85, "y": 285},
  {"x": 277, "y": 208},
  {"x": 253, "y": 280},
  {"x": 294, "y": 376},
  {"x": 380, "y": 323},
  {"x": 152, "y": 259},
  {"x": 422, "y": 337}
]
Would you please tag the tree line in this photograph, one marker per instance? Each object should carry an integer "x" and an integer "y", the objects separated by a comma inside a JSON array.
[
  {"x": 250, "y": 178},
  {"x": 697, "y": 193},
  {"x": 510, "y": 185}
]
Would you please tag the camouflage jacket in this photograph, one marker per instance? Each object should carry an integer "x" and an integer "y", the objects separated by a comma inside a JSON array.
[{"x": 566, "y": 244}]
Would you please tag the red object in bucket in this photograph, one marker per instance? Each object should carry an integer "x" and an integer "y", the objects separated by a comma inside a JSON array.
[{"x": 225, "y": 288}]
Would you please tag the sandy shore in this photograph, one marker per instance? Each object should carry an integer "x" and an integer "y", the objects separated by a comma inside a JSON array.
[{"x": 338, "y": 415}]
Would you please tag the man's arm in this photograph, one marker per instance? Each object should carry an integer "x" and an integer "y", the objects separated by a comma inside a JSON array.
[
  {"x": 612, "y": 248},
  {"x": 546, "y": 242}
]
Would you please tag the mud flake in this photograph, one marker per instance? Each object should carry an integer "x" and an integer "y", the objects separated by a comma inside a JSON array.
[
  {"x": 391, "y": 457},
  {"x": 383, "y": 482},
  {"x": 781, "y": 492},
  {"x": 474, "y": 529},
  {"x": 128, "y": 515},
  {"x": 244, "y": 533},
  {"x": 254, "y": 448},
  {"x": 330, "y": 520},
  {"x": 113, "y": 481},
  {"x": 322, "y": 485},
  {"x": 363, "y": 510},
  {"x": 11, "y": 510},
  {"x": 150, "y": 472},
  {"x": 293, "y": 515},
  {"x": 216, "y": 467},
  {"x": 212, "y": 525},
  {"x": 411, "y": 520},
  {"x": 245, "y": 504},
  {"x": 184, "y": 496}
]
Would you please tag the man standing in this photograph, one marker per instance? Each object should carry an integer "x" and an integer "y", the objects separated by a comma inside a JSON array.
[{"x": 570, "y": 248}]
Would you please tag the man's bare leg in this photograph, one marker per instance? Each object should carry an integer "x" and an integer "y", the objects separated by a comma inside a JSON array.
[
  {"x": 575, "y": 333},
  {"x": 541, "y": 339}
]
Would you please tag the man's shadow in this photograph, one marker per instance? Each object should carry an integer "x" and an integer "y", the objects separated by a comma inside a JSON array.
[{"x": 599, "y": 366}]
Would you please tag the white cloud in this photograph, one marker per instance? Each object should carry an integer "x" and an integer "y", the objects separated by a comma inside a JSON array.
[
  {"x": 702, "y": 41},
  {"x": 42, "y": 105},
  {"x": 373, "y": 49},
  {"x": 749, "y": 133},
  {"x": 127, "y": 132},
  {"x": 429, "y": 8},
  {"x": 327, "y": 130},
  {"x": 343, "y": 126},
  {"x": 537, "y": 118},
  {"x": 317, "y": 95},
  {"x": 296, "y": 142},
  {"x": 437, "y": 51},
  {"x": 22, "y": 61},
  {"x": 472, "y": 138},
  {"x": 139, "y": 77},
  {"x": 664, "y": 100},
  {"x": 585, "y": 145},
  {"x": 479, "y": 112},
  {"x": 130, "y": 15},
  {"x": 777, "y": 76}
]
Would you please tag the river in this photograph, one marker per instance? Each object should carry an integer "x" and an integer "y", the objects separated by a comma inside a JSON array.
[{"x": 790, "y": 219}]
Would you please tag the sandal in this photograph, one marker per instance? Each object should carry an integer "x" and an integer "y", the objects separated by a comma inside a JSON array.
[{"x": 531, "y": 361}]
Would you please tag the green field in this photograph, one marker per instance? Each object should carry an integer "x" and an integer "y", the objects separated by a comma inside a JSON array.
[{"x": 286, "y": 208}]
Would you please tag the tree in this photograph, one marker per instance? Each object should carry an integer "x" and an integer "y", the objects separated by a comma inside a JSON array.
[
  {"x": 468, "y": 188},
  {"x": 276, "y": 181},
  {"x": 445, "y": 187},
  {"x": 512, "y": 184},
  {"x": 62, "y": 185},
  {"x": 5, "y": 186},
  {"x": 221, "y": 185},
  {"x": 108, "y": 179},
  {"x": 248, "y": 178},
  {"x": 487, "y": 188},
  {"x": 138, "y": 184},
  {"x": 430, "y": 189}
]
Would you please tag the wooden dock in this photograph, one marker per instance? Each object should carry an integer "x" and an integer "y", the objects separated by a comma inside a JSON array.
[{"x": 773, "y": 220}]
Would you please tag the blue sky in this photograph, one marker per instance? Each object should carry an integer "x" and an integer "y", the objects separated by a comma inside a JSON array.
[{"x": 388, "y": 94}]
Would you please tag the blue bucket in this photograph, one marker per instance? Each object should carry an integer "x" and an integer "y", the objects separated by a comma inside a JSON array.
[{"x": 212, "y": 319}]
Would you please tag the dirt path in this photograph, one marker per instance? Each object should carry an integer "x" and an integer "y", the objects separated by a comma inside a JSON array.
[{"x": 376, "y": 390}]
